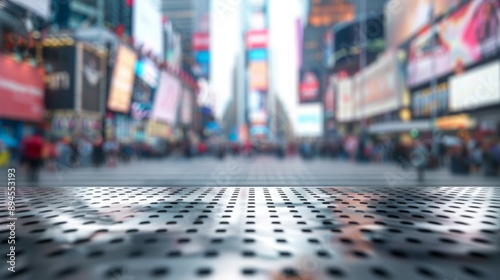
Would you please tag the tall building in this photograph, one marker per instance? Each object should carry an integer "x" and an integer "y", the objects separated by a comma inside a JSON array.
[{"x": 181, "y": 14}]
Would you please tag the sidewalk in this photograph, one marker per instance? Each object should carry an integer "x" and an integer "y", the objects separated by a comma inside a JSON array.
[{"x": 259, "y": 171}]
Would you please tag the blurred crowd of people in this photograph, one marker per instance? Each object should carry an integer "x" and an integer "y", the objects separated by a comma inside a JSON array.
[
  {"x": 36, "y": 152},
  {"x": 459, "y": 155}
]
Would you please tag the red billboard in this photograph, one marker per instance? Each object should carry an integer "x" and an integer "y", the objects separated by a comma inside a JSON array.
[
  {"x": 257, "y": 39},
  {"x": 21, "y": 90},
  {"x": 201, "y": 41}
]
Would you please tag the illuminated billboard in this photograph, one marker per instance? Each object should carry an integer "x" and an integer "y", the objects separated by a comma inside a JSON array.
[
  {"x": 258, "y": 75},
  {"x": 310, "y": 86},
  {"x": 123, "y": 81},
  {"x": 475, "y": 88},
  {"x": 467, "y": 36}
]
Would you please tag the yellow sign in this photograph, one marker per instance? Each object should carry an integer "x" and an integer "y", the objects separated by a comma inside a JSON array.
[
  {"x": 462, "y": 121},
  {"x": 123, "y": 81},
  {"x": 158, "y": 129}
]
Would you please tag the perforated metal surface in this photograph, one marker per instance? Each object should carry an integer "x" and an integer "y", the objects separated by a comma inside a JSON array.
[{"x": 255, "y": 233}]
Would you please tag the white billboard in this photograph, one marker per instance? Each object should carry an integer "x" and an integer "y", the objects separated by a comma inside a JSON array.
[
  {"x": 345, "y": 100},
  {"x": 167, "y": 99},
  {"x": 147, "y": 27},
  {"x": 309, "y": 120},
  {"x": 475, "y": 88},
  {"x": 379, "y": 90}
]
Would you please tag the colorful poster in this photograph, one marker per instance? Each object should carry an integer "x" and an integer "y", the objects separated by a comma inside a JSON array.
[
  {"x": 467, "y": 36},
  {"x": 405, "y": 18},
  {"x": 310, "y": 86}
]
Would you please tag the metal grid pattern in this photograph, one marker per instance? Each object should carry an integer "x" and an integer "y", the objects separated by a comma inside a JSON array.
[{"x": 138, "y": 233}]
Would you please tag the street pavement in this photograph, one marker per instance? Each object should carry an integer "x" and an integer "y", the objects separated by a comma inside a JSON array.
[{"x": 258, "y": 171}]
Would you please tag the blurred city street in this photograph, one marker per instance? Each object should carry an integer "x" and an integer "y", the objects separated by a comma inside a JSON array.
[{"x": 257, "y": 171}]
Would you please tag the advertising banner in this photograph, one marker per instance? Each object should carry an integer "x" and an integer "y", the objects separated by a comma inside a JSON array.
[
  {"x": 21, "y": 90},
  {"x": 167, "y": 99},
  {"x": 147, "y": 27},
  {"x": 257, "y": 39},
  {"x": 467, "y": 36},
  {"x": 345, "y": 100},
  {"x": 187, "y": 107},
  {"x": 310, "y": 86},
  {"x": 201, "y": 41},
  {"x": 202, "y": 57},
  {"x": 257, "y": 107},
  {"x": 455, "y": 122},
  {"x": 147, "y": 70},
  {"x": 65, "y": 122},
  {"x": 158, "y": 129},
  {"x": 257, "y": 54},
  {"x": 60, "y": 77},
  {"x": 405, "y": 18},
  {"x": 309, "y": 120},
  {"x": 142, "y": 100},
  {"x": 329, "y": 98},
  {"x": 122, "y": 81},
  {"x": 475, "y": 88},
  {"x": 92, "y": 77},
  {"x": 346, "y": 41},
  {"x": 258, "y": 75},
  {"x": 380, "y": 88}
]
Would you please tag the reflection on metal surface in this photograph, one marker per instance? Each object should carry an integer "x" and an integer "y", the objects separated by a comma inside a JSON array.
[{"x": 255, "y": 233}]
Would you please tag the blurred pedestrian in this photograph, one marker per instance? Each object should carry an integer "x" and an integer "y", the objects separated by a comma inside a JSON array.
[
  {"x": 98, "y": 156},
  {"x": 111, "y": 151},
  {"x": 248, "y": 148},
  {"x": 419, "y": 158},
  {"x": 350, "y": 147},
  {"x": 50, "y": 155},
  {"x": 32, "y": 154},
  {"x": 476, "y": 155},
  {"x": 202, "y": 148},
  {"x": 74, "y": 159},
  {"x": 4, "y": 155}
]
